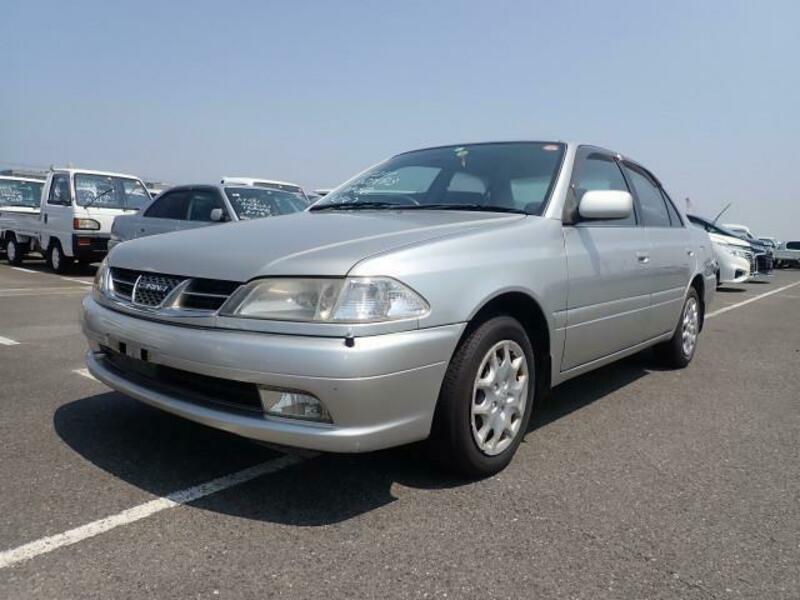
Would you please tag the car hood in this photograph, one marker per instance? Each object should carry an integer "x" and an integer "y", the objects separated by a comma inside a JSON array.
[{"x": 307, "y": 243}]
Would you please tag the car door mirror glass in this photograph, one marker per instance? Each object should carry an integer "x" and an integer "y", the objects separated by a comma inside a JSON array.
[{"x": 605, "y": 204}]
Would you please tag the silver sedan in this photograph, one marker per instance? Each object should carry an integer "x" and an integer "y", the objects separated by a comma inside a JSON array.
[{"x": 439, "y": 294}]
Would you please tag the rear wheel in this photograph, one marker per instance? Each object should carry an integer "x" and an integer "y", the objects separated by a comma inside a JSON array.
[
  {"x": 56, "y": 259},
  {"x": 679, "y": 350},
  {"x": 15, "y": 251},
  {"x": 486, "y": 399}
]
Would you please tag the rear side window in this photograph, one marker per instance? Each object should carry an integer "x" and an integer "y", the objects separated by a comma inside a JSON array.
[
  {"x": 599, "y": 172},
  {"x": 793, "y": 245},
  {"x": 172, "y": 205},
  {"x": 201, "y": 203},
  {"x": 59, "y": 191},
  {"x": 654, "y": 210},
  {"x": 674, "y": 218}
]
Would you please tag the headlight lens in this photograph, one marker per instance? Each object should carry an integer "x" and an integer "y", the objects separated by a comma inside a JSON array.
[
  {"x": 85, "y": 224},
  {"x": 351, "y": 300},
  {"x": 101, "y": 279}
]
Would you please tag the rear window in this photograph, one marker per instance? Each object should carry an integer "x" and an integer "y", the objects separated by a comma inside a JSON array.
[
  {"x": 20, "y": 193},
  {"x": 793, "y": 245}
]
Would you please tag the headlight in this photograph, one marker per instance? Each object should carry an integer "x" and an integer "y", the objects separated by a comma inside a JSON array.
[
  {"x": 101, "y": 279},
  {"x": 351, "y": 300},
  {"x": 85, "y": 224}
]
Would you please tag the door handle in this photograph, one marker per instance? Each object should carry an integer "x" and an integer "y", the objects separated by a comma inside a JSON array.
[
  {"x": 643, "y": 257},
  {"x": 45, "y": 217},
  {"x": 690, "y": 252}
]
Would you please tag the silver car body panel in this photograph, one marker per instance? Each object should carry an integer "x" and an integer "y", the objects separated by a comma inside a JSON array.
[{"x": 600, "y": 300}]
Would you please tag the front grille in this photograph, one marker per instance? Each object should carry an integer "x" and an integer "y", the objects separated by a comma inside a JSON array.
[
  {"x": 151, "y": 289},
  {"x": 764, "y": 263},
  {"x": 753, "y": 263},
  {"x": 206, "y": 294},
  {"x": 185, "y": 385},
  {"x": 122, "y": 281}
]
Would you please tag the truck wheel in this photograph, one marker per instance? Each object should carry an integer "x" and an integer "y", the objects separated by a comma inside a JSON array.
[
  {"x": 56, "y": 259},
  {"x": 679, "y": 350},
  {"x": 15, "y": 251},
  {"x": 486, "y": 399}
]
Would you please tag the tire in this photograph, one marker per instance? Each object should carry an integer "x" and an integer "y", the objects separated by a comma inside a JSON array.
[
  {"x": 15, "y": 252},
  {"x": 56, "y": 259},
  {"x": 454, "y": 442},
  {"x": 679, "y": 350}
]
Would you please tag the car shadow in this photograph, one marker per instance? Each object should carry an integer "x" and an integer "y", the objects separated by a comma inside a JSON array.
[
  {"x": 76, "y": 269},
  {"x": 161, "y": 453},
  {"x": 731, "y": 290}
]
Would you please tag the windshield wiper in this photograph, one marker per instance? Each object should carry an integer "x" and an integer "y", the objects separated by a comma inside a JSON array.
[
  {"x": 475, "y": 207},
  {"x": 360, "y": 206},
  {"x": 96, "y": 198}
]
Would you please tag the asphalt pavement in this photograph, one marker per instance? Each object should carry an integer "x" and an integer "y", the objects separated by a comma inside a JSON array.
[{"x": 634, "y": 482}]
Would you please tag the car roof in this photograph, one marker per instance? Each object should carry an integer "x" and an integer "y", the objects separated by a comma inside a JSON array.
[
  {"x": 252, "y": 180},
  {"x": 15, "y": 178},
  {"x": 73, "y": 170}
]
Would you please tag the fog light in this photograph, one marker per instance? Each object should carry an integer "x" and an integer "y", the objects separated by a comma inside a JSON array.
[{"x": 293, "y": 405}]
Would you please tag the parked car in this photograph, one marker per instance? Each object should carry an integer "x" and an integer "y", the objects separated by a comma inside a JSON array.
[
  {"x": 788, "y": 254},
  {"x": 18, "y": 195},
  {"x": 735, "y": 257},
  {"x": 770, "y": 241},
  {"x": 74, "y": 217},
  {"x": 438, "y": 294},
  {"x": 268, "y": 183},
  {"x": 190, "y": 206},
  {"x": 763, "y": 251}
]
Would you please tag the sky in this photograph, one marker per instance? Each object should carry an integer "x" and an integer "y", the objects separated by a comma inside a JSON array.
[{"x": 706, "y": 94}]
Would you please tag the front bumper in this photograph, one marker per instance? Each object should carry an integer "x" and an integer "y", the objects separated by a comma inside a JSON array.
[
  {"x": 88, "y": 246},
  {"x": 381, "y": 392}
]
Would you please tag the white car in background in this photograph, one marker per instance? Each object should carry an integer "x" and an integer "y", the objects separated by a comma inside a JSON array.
[
  {"x": 267, "y": 183},
  {"x": 734, "y": 256}
]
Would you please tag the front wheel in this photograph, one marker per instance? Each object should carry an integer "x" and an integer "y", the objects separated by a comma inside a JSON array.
[
  {"x": 56, "y": 259},
  {"x": 678, "y": 351},
  {"x": 486, "y": 399}
]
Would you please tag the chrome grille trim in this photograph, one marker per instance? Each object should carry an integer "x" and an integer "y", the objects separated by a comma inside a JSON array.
[{"x": 173, "y": 293}]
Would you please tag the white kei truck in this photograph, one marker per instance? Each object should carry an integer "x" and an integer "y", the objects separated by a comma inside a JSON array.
[{"x": 74, "y": 217}]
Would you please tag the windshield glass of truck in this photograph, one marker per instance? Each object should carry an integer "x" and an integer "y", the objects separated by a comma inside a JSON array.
[
  {"x": 20, "y": 193},
  {"x": 502, "y": 177},
  {"x": 106, "y": 191},
  {"x": 256, "y": 202}
]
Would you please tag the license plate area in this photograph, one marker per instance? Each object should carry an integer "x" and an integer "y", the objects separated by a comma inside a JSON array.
[{"x": 131, "y": 349}]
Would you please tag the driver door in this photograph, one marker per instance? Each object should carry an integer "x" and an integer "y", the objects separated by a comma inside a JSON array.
[{"x": 608, "y": 268}]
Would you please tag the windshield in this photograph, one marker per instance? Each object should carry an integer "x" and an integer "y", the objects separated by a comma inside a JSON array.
[
  {"x": 503, "y": 177},
  {"x": 256, "y": 202},
  {"x": 108, "y": 191},
  {"x": 20, "y": 193}
]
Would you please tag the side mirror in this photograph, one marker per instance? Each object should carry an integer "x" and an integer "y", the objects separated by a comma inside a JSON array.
[
  {"x": 605, "y": 204},
  {"x": 217, "y": 215}
]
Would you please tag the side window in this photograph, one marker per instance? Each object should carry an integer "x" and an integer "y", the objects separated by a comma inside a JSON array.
[
  {"x": 598, "y": 172},
  {"x": 654, "y": 210},
  {"x": 674, "y": 218},
  {"x": 59, "y": 191},
  {"x": 201, "y": 203},
  {"x": 172, "y": 205}
]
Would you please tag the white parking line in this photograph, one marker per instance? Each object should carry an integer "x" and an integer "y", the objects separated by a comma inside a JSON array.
[
  {"x": 77, "y": 280},
  {"x": 85, "y": 373},
  {"x": 725, "y": 309},
  {"x": 142, "y": 511},
  {"x": 4, "y": 341},
  {"x": 24, "y": 270},
  {"x": 42, "y": 291}
]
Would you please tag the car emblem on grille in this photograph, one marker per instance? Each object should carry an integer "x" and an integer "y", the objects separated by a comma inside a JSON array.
[{"x": 152, "y": 290}]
